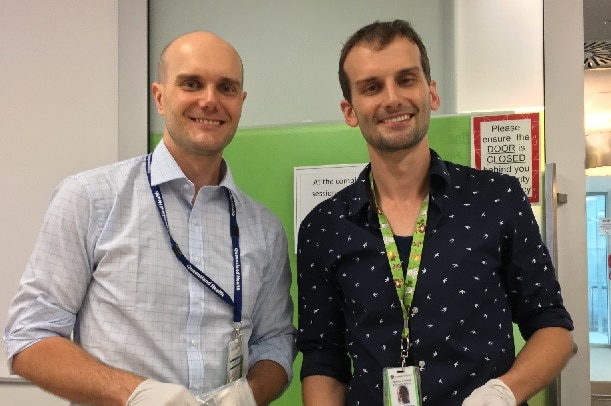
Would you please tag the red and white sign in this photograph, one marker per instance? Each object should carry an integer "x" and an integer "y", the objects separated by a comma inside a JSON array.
[{"x": 509, "y": 144}]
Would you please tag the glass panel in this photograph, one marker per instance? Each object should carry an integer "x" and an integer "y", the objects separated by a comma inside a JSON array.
[{"x": 598, "y": 268}]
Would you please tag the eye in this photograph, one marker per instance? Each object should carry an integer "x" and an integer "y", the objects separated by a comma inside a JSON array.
[
  {"x": 371, "y": 89},
  {"x": 406, "y": 80},
  {"x": 228, "y": 88},
  {"x": 191, "y": 84}
]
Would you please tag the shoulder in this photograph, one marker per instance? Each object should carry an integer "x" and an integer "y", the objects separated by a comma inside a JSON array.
[
  {"x": 343, "y": 209},
  {"x": 347, "y": 202},
  {"x": 104, "y": 183},
  {"x": 341, "y": 203},
  {"x": 462, "y": 177},
  {"x": 456, "y": 186},
  {"x": 117, "y": 173},
  {"x": 256, "y": 210}
]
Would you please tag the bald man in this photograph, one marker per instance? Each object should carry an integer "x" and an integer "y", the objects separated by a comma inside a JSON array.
[{"x": 156, "y": 280}]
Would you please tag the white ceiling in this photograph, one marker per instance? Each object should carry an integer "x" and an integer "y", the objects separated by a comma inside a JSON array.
[
  {"x": 595, "y": 13},
  {"x": 597, "y": 82}
]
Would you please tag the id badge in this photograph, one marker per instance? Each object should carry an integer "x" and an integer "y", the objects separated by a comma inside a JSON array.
[
  {"x": 235, "y": 360},
  {"x": 402, "y": 386}
]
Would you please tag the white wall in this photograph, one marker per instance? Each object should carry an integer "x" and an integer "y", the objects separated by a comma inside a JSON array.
[
  {"x": 499, "y": 55},
  {"x": 133, "y": 80},
  {"x": 59, "y": 116},
  {"x": 565, "y": 145},
  {"x": 291, "y": 49}
]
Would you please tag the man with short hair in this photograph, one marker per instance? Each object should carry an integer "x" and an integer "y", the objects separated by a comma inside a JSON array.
[
  {"x": 414, "y": 274},
  {"x": 173, "y": 282}
]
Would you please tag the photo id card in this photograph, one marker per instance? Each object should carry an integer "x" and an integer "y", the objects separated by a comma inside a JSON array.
[
  {"x": 402, "y": 387},
  {"x": 235, "y": 360}
]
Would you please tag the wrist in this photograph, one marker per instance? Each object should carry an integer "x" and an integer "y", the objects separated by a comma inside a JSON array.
[
  {"x": 127, "y": 388},
  {"x": 513, "y": 387}
]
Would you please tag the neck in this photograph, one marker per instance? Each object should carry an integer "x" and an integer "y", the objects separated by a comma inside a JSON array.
[
  {"x": 202, "y": 170},
  {"x": 203, "y": 173},
  {"x": 401, "y": 176},
  {"x": 401, "y": 183}
]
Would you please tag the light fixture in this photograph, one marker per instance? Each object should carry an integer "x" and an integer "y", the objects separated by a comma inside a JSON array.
[{"x": 597, "y": 54}]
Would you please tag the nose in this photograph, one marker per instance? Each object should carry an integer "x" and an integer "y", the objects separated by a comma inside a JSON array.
[
  {"x": 208, "y": 97},
  {"x": 392, "y": 95}
]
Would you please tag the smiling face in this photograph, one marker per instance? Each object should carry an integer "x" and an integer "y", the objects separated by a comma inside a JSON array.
[
  {"x": 391, "y": 98},
  {"x": 199, "y": 94}
]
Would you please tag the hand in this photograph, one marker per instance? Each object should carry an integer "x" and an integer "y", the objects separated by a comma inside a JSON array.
[
  {"x": 236, "y": 393},
  {"x": 493, "y": 393},
  {"x": 153, "y": 393}
]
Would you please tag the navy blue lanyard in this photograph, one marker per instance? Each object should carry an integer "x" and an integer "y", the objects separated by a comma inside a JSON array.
[{"x": 234, "y": 231}]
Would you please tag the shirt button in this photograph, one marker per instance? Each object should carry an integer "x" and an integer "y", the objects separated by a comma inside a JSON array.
[
  {"x": 196, "y": 260},
  {"x": 192, "y": 343},
  {"x": 196, "y": 386},
  {"x": 186, "y": 186}
]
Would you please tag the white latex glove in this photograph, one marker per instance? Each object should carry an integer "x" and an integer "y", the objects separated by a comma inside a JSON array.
[
  {"x": 154, "y": 393},
  {"x": 236, "y": 393},
  {"x": 492, "y": 393}
]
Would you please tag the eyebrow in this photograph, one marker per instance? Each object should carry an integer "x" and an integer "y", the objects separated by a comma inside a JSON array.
[
  {"x": 366, "y": 81},
  {"x": 373, "y": 79},
  {"x": 188, "y": 76},
  {"x": 233, "y": 82}
]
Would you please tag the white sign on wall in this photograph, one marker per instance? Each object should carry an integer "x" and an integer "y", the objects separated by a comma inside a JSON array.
[
  {"x": 313, "y": 184},
  {"x": 604, "y": 227}
]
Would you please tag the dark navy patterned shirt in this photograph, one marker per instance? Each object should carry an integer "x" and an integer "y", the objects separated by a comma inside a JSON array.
[{"x": 483, "y": 267}]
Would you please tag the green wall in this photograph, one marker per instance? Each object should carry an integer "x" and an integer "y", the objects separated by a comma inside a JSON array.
[{"x": 262, "y": 161}]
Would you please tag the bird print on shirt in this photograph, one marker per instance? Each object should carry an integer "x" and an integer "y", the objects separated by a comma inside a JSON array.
[{"x": 463, "y": 295}]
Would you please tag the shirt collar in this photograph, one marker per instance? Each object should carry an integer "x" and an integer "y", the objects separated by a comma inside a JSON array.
[
  {"x": 165, "y": 169},
  {"x": 360, "y": 198}
]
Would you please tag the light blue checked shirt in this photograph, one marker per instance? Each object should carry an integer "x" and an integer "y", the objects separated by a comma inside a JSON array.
[{"x": 103, "y": 268}]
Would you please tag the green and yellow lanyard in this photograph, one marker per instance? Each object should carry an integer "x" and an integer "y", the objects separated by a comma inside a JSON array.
[{"x": 405, "y": 285}]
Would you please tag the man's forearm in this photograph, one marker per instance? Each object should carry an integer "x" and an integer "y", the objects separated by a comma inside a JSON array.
[
  {"x": 61, "y": 367},
  {"x": 267, "y": 379},
  {"x": 319, "y": 390},
  {"x": 541, "y": 359}
]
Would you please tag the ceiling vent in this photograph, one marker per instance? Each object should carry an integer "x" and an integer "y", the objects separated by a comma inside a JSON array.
[{"x": 597, "y": 54}]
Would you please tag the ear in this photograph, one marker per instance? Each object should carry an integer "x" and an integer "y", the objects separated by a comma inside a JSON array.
[
  {"x": 349, "y": 115},
  {"x": 435, "y": 100},
  {"x": 157, "y": 91}
]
